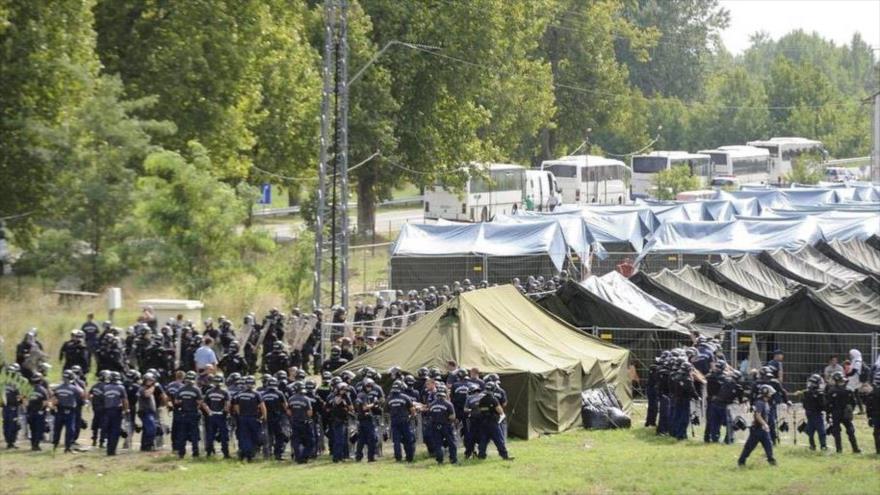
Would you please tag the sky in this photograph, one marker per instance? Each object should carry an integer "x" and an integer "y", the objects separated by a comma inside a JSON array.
[{"x": 833, "y": 19}]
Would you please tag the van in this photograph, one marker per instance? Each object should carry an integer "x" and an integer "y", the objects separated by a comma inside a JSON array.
[{"x": 542, "y": 191}]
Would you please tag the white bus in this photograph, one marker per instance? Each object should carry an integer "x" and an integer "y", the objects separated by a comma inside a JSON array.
[
  {"x": 590, "y": 179},
  {"x": 542, "y": 191},
  {"x": 746, "y": 164},
  {"x": 783, "y": 150},
  {"x": 501, "y": 191},
  {"x": 646, "y": 167}
]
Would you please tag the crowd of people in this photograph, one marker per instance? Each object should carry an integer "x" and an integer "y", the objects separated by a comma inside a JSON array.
[
  {"x": 686, "y": 384},
  {"x": 173, "y": 372}
]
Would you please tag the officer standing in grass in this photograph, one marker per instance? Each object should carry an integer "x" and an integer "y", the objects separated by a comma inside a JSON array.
[
  {"x": 37, "y": 402},
  {"x": 814, "y": 405},
  {"x": 339, "y": 408},
  {"x": 401, "y": 409},
  {"x": 216, "y": 407},
  {"x": 491, "y": 416},
  {"x": 148, "y": 405},
  {"x": 188, "y": 403},
  {"x": 301, "y": 412},
  {"x": 872, "y": 404},
  {"x": 840, "y": 401},
  {"x": 65, "y": 398},
  {"x": 248, "y": 407},
  {"x": 12, "y": 400},
  {"x": 442, "y": 418},
  {"x": 760, "y": 429},
  {"x": 115, "y": 407},
  {"x": 96, "y": 397}
]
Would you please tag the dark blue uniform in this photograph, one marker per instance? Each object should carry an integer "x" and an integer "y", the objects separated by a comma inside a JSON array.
[
  {"x": 248, "y": 426},
  {"x": 68, "y": 397},
  {"x": 472, "y": 431},
  {"x": 36, "y": 414},
  {"x": 275, "y": 402},
  {"x": 490, "y": 429},
  {"x": 11, "y": 402},
  {"x": 338, "y": 409},
  {"x": 171, "y": 389},
  {"x": 399, "y": 406},
  {"x": 186, "y": 414},
  {"x": 814, "y": 405},
  {"x": 441, "y": 429},
  {"x": 365, "y": 406},
  {"x": 757, "y": 435},
  {"x": 97, "y": 400},
  {"x": 148, "y": 408},
  {"x": 301, "y": 432},
  {"x": 114, "y": 398},
  {"x": 217, "y": 429}
]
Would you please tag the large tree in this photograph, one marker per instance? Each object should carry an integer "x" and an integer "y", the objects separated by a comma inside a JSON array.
[{"x": 46, "y": 61}]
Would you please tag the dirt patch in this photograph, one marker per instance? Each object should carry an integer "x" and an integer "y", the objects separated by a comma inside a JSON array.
[{"x": 159, "y": 468}]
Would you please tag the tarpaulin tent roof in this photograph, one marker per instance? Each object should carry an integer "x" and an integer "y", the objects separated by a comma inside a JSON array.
[
  {"x": 810, "y": 267},
  {"x": 618, "y": 290},
  {"x": 544, "y": 363},
  {"x": 749, "y": 277},
  {"x": 613, "y": 230},
  {"x": 873, "y": 241},
  {"x": 854, "y": 308},
  {"x": 481, "y": 239},
  {"x": 649, "y": 220},
  {"x": 727, "y": 310},
  {"x": 577, "y": 233},
  {"x": 854, "y": 254},
  {"x": 703, "y": 313},
  {"x": 692, "y": 276},
  {"x": 733, "y": 237},
  {"x": 581, "y": 307}
]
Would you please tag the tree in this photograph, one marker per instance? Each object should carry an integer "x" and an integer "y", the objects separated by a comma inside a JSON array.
[
  {"x": 95, "y": 155},
  {"x": 682, "y": 58},
  {"x": 806, "y": 169},
  {"x": 674, "y": 180},
  {"x": 188, "y": 220},
  {"x": 734, "y": 112},
  {"x": 46, "y": 60}
]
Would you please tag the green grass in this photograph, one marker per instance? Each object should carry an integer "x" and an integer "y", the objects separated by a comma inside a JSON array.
[{"x": 625, "y": 461}]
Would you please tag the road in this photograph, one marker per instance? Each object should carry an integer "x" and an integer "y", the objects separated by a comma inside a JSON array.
[{"x": 388, "y": 221}]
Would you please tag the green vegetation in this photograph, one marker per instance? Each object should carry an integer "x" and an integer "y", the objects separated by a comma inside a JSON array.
[
  {"x": 623, "y": 461},
  {"x": 674, "y": 180},
  {"x": 806, "y": 169}
]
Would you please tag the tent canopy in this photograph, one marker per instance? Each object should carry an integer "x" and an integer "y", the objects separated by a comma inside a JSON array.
[
  {"x": 578, "y": 236},
  {"x": 810, "y": 267},
  {"x": 749, "y": 277},
  {"x": 693, "y": 277},
  {"x": 544, "y": 363},
  {"x": 618, "y": 290},
  {"x": 854, "y": 254},
  {"x": 727, "y": 309},
  {"x": 620, "y": 226}
]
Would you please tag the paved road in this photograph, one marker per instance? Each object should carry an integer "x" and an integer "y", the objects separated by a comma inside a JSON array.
[{"x": 387, "y": 222}]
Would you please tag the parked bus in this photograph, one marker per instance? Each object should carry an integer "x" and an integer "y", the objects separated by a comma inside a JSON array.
[
  {"x": 646, "y": 167},
  {"x": 590, "y": 179},
  {"x": 783, "y": 150},
  {"x": 746, "y": 164},
  {"x": 500, "y": 190},
  {"x": 542, "y": 191}
]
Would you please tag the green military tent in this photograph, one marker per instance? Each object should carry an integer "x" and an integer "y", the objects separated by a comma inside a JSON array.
[{"x": 543, "y": 362}]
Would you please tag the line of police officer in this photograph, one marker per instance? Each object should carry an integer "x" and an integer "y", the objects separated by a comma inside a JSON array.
[{"x": 344, "y": 409}]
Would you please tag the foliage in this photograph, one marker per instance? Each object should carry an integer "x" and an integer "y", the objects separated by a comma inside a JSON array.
[
  {"x": 294, "y": 276},
  {"x": 188, "y": 220},
  {"x": 674, "y": 180},
  {"x": 46, "y": 59},
  {"x": 95, "y": 156},
  {"x": 806, "y": 169}
]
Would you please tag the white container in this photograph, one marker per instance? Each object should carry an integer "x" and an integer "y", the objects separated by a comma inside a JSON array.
[
  {"x": 114, "y": 298},
  {"x": 165, "y": 309}
]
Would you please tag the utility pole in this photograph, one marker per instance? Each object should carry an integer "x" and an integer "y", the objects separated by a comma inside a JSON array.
[
  {"x": 875, "y": 153},
  {"x": 325, "y": 139},
  {"x": 342, "y": 147}
]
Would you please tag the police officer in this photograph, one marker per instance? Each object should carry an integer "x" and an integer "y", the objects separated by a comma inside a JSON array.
[
  {"x": 115, "y": 407},
  {"x": 760, "y": 429},
  {"x": 716, "y": 409},
  {"x": 96, "y": 398},
  {"x": 491, "y": 416},
  {"x": 442, "y": 419},
  {"x": 664, "y": 397},
  {"x": 339, "y": 408},
  {"x": 171, "y": 389},
  {"x": 275, "y": 403},
  {"x": 872, "y": 406},
  {"x": 311, "y": 389},
  {"x": 276, "y": 360},
  {"x": 131, "y": 382},
  {"x": 814, "y": 405},
  {"x": 840, "y": 401},
  {"x": 409, "y": 387},
  {"x": 148, "y": 404},
  {"x": 74, "y": 352},
  {"x": 37, "y": 402},
  {"x": 65, "y": 398},
  {"x": 683, "y": 390},
  {"x": 301, "y": 412},
  {"x": 471, "y": 421},
  {"x": 12, "y": 400},
  {"x": 651, "y": 392},
  {"x": 367, "y": 406},
  {"x": 401, "y": 408},
  {"x": 335, "y": 362},
  {"x": 731, "y": 390},
  {"x": 248, "y": 407},
  {"x": 232, "y": 362},
  {"x": 216, "y": 408},
  {"x": 188, "y": 403}
]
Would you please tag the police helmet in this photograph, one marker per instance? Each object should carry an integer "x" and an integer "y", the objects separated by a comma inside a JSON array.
[
  {"x": 217, "y": 379},
  {"x": 37, "y": 378},
  {"x": 347, "y": 375},
  {"x": 838, "y": 377},
  {"x": 326, "y": 376},
  {"x": 814, "y": 380},
  {"x": 300, "y": 374},
  {"x": 422, "y": 372},
  {"x": 13, "y": 368},
  {"x": 233, "y": 346},
  {"x": 190, "y": 376},
  {"x": 394, "y": 370},
  {"x": 297, "y": 387},
  {"x": 281, "y": 375},
  {"x": 76, "y": 369},
  {"x": 44, "y": 368},
  {"x": 250, "y": 381},
  {"x": 115, "y": 377},
  {"x": 736, "y": 375},
  {"x": 104, "y": 375},
  {"x": 341, "y": 387},
  {"x": 133, "y": 375},
  {"x": 233, "y": 378},
  {"x": 277, "y": 346},
  {"x": 441, "y": 394},
  {"x": 766, "y": 390},
  {"x": 766, "y": 371},
  {"x": 68, "y": 376},
  {"x": 368, "y": 383},
  {"x": 434, "y": 373},
  {"x": 492, "y": 377},
  {"x": 335, "y": 381},
  {"x": 335, "y": 351},
  {"x": 491, "y": 386},
  {"x": 473, "y": 388},
  {"x": 409, "y": 380},
  {"x": 461, "y": 373},
  {"x": 310, "y": 384},
  {"x": 270, "y": 381},
  {"x": 149, "y": 377}
]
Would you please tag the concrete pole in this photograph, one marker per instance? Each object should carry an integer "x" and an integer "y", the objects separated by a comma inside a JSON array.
[{"x": 325, "y": 144}]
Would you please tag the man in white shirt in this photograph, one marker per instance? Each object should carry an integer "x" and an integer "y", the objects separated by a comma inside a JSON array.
[{"x": 205, "y": 355}]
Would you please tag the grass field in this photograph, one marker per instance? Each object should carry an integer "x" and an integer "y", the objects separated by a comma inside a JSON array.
[{"x": 624, "y": 461}]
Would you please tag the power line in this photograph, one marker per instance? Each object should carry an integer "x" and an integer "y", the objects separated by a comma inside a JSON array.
[{"x": 288, "y": 178}]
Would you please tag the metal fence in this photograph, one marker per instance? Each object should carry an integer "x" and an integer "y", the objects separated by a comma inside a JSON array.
[{"x": 423, "y": 271}]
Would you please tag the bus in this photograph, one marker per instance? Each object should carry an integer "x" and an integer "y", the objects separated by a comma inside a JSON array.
[
  {"x": 590, "y": 179},
  {"x": 542, "y": 191},
  {"x": 646, "y": 167},
  {"x": 499, "y": 189},
  {"x": 746, "y": 164},
  {"x": 783, "y": 150}
]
